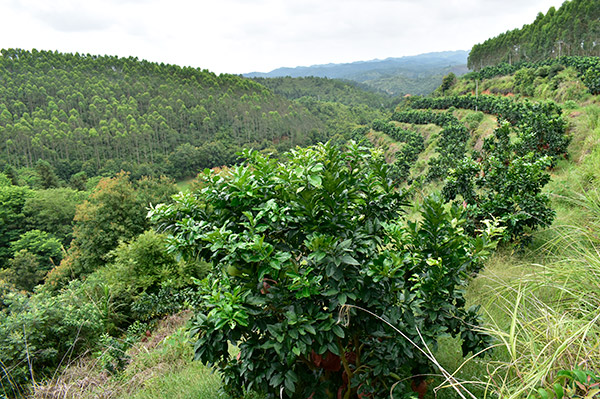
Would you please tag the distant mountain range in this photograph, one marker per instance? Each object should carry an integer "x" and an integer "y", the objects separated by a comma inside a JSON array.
[{"x": 418, "y": 74}]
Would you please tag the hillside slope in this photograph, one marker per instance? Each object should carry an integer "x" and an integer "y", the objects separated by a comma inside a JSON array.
[
  {"x": 573, "y": 29},
  {"x": 539, "y": 300},
  {"x": 325, "y": 89},
  {"x": 101, "y": 114}
]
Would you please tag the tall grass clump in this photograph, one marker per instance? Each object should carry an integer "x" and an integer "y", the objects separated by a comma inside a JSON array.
[
  {"x": 586, "y": 134},
  {"x": 547, "y": 320}
]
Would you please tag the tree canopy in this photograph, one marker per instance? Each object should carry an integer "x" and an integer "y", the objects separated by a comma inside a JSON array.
[
  {"x": 299, "y": 242},
  {"x": 101, "y": 114}
]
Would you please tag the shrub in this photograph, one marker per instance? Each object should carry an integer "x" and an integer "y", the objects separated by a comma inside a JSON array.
[
  {"x": 503, "y": 185},
  {"x": 53, "y": 211},
  {"x": 300, "y": 247},
  {"x": 143, "y": 281},
  {"x": 474, "y": 119},
  {"x": 39, "y": 332},
  {"x": 113, "y": 213}
]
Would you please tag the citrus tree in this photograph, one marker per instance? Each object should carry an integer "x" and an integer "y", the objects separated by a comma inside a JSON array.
[
  {"x": 502, "y": 184},
  {"x": 306, "y": 251}
]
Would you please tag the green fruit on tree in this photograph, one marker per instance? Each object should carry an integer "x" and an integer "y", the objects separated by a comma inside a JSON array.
[{"x": 234, "y": 271}]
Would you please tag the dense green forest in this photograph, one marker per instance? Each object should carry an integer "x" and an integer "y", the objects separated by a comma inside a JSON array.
[
  {"x": 101, "y": 114},
  {"x": 573, "y": 29},
  {"x": 413, "y": 83},
  {"x": 325, "y": 89},
  {"x": 68, "y": 120}
]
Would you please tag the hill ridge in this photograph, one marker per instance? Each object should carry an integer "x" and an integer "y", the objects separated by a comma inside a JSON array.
[
  {"x": 416, "y": 74},
  {"x": 279, "y": 72}
]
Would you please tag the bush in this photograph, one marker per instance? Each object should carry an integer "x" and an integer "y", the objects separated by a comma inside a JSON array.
[
  {"x": 45, "y": 246},
  {"x": 301, "y": 247},
  {"x": 53, "y": 211},
  {"x": 113, "y": 213},
  {"x": 503, "y": 185},
  {"x": 473, "y": 120},
  {"x": 143, "y": 281},
  {"x": 39, "y": 332}
]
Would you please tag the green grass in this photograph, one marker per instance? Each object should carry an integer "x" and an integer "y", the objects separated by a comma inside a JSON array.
[
  {"x": 160, "y": 366},
  {"x": 542, "y": 304},
  {"x": 193, "y": 381},
  {"x": 167, "y": 366}
]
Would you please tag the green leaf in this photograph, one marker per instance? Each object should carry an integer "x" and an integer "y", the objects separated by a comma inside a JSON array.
[
  {"x": 345, "y": 244},
  {"x": 283, "y": 256},
  {"x": 289, "y": 385},
  {"x": 318, "y": 167},
  {"x": 580, "y": 376},
  {"x": 241, "y": 318},
  {"x": 330, "y": 269},
  {"x": 337, "y": 330},
  {"x": 310, "y": 329},
  {"x": 543, "y": 394},
  {"x": 315, "y": 180},
  {"x": 276, "y": 379},
  {"x": 274, "y": 331},
  {"x": 558, "y": 390},
  {"x": 318, "y": 256},
  {"x": 291, "y": 375},
  {"x": 333, "y": 348},
  {"x": 349, "y": 260}
]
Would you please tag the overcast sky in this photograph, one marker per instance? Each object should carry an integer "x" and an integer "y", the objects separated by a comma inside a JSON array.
[{"x": 238, "y": 36}]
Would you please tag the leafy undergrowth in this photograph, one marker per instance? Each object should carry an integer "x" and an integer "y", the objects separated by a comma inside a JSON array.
[{"x": 159, "y": 366}]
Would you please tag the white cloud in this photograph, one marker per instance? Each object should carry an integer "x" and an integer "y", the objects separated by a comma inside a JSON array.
[{"x": 259, "y": 35}]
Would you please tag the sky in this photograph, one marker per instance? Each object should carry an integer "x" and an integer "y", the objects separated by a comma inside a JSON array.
[{"x": 241, "y": 36}]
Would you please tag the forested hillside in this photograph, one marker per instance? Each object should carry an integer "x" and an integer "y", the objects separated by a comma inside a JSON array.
[
  {"x": 573, "y": 29},
  {"x": 324, "y": 89},
  {"x": 415, "y": 83},
  {"x": 101, "y": 114}
]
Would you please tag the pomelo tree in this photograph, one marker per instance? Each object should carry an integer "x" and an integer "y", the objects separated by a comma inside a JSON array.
[{"x": 306, "y": 250}]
